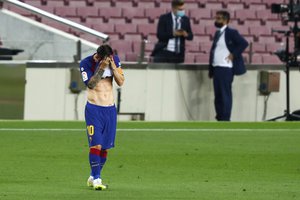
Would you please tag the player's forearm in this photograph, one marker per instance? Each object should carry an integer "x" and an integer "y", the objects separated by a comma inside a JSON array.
[
  {"x": 95, "y": 79},
  {"x": 119, "y": 78}
]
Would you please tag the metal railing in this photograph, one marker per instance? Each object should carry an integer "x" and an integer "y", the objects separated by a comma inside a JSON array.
[{"x": 70, "y": 23}]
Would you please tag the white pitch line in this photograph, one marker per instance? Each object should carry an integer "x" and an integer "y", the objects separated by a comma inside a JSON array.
[
  {"x": 154, "y": 130},
  {"x": 207, "y": 130},
  {"x": 39, "y": 129}
]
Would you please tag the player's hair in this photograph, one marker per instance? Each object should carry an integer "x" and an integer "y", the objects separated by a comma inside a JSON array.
[
  {"x": 176, "y": 3},
  {"x": 104, "y": 50},
  {"x": 225, "y": 14}
]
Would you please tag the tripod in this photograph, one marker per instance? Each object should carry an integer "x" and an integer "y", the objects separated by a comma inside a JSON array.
[{"x": 290, "y": 61}]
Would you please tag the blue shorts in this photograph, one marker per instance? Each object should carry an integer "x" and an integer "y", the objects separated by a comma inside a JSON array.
[{"x": 101, "y": 125}]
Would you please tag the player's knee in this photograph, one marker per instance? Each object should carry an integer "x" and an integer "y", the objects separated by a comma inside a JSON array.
[
  {"x": 96, "y": 150},
  {"x": 96, "y": 147},
  {"x": 103, "y": 153}
]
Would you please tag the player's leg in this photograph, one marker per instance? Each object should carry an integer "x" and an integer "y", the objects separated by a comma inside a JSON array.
[
  {"x": 94, "y": 159},
  {"x": 95, "y": 162},
  {"x": 94, "y": 151},
  {"x": 103, "y": 157},
  {"x": 107, "y": 138},
  {"x": 109, "y": 134},
  {"x": 94, "y": 134},
  {"x": 96, "y": 166}
]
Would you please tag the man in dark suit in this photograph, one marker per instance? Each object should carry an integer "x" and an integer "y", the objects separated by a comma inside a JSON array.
[
  {"x": 225, "y": 61},
  {"x": 172, "y": 31}
]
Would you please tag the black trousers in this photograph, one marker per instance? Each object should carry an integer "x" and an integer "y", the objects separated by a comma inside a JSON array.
[
  {"x": 223, "y": 78},
  {"x": 165, "y": 56}
]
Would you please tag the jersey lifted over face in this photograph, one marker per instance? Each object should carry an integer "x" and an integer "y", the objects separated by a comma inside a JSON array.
[{"x": 88, "y": 66}]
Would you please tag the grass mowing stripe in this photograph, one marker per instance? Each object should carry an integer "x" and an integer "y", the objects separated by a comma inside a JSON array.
[
  {"x": 150, "y": 125},
  {"x": 154, "y": 130}
]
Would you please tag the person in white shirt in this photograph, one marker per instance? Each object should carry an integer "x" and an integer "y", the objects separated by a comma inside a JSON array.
[
  {"x": 225, "y": 61},
  {"x": 172, "y": 31}
]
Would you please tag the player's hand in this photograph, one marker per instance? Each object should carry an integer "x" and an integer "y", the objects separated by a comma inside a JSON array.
[
  {"x": 112, "y": 63},
  {"x": 105, "y": 62}
]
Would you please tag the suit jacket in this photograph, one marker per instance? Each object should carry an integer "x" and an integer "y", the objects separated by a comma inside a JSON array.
[
  {"x": 236, "y": 44},
  {"x": 165, "y": 32}
]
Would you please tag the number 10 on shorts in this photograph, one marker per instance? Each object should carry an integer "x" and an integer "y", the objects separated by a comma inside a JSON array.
[{"x": 91, "y": 130}]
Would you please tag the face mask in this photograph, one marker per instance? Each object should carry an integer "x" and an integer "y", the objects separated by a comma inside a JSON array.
[
  {"x": 180, "y": 13},
  {"x": 218, "y": 25}
]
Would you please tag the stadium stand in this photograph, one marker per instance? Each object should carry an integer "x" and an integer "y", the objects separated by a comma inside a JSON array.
[
  {"x": 7, "y": 53},
  {"x": 128, "y": 22}
]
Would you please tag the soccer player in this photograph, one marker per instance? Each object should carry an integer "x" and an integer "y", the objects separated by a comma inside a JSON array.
[{"x": 98, "y": 72}]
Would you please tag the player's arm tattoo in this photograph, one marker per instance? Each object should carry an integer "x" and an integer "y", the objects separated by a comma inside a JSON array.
[{"x": 95, "y": 79}]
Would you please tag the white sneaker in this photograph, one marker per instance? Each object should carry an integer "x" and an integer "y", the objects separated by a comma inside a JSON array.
[
  {"x": 90, "y": 181},
  {"x": 97, "y": 184}
]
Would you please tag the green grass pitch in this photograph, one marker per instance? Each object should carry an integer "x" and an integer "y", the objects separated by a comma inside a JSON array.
[{"x": 207, "y": 161}]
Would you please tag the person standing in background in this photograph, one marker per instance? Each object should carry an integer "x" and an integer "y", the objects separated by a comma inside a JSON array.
[
  {"x": 225, "y": 61},
  {"x": 172, "y": 31}
]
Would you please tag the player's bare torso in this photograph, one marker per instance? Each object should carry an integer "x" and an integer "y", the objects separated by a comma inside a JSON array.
[{"x": 102, "y": 94}]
